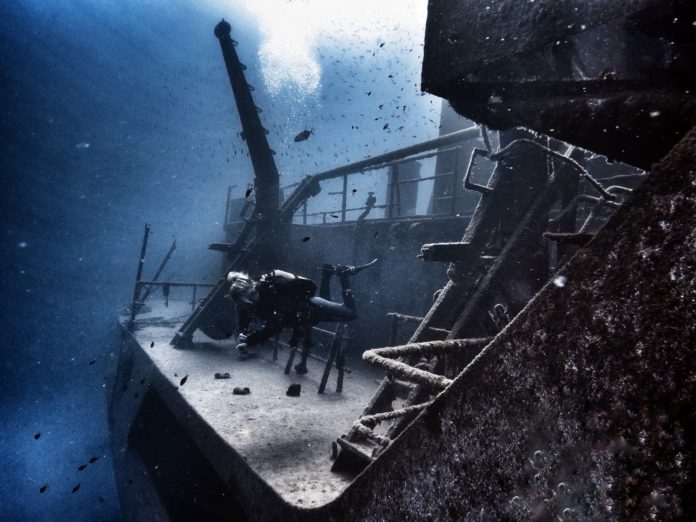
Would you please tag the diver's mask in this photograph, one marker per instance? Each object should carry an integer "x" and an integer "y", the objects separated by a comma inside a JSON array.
[{"x": 242, "y": 289}]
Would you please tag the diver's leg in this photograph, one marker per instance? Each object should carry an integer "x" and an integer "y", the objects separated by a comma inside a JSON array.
[
  {"x": 322, "y": 310},
  {"x": 347, "y": 292},
  {"x": 301, "y": 367},
  {"x": 325, "y": 284}
]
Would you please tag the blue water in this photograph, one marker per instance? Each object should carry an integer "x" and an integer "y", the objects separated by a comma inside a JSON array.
[{"x": 115, "y": 113}]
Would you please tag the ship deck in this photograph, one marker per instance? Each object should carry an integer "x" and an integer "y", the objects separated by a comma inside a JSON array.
[{"x": 286, "y": 441}]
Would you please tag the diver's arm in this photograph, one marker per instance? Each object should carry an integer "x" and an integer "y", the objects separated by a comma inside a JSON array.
[{"x": 261, "y": 336}]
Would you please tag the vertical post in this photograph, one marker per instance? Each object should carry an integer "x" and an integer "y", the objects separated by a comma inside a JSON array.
[
  {"x": 394, "y": 337},
  {"x": 390, "y": 193},
  {"x": 344, "y": 202},
  {"x": 455, "y": 180},
  {"x": 291, "y": 358},
  {"x": 276, "y": 343},
  {"x": 332, "y": 356},
  {"x": 138, "y": 277},
  {"x": 341, "y": 356},
  {"x": 158, "y": 273},
  {"x": 304, "y": 212},
  {"x": 397, "y": 187},
  {"x": 227, "y": 206}
]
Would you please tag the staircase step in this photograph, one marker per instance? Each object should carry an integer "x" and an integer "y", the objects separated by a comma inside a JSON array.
[{"x": 353, "y": 456}]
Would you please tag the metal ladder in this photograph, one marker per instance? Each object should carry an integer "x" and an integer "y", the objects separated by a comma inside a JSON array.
[{"x": 482, "y": 268}]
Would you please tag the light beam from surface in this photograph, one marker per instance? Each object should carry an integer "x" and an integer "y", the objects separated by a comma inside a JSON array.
[{"x": 295, "y": 32}]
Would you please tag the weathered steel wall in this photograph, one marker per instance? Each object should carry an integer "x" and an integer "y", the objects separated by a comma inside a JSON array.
[
  {"x": 582, "y": 408},
  {"x": 588, "y": 72},
  {"x": 481, "y": 32},
  {"x": 399, "y": 282}
]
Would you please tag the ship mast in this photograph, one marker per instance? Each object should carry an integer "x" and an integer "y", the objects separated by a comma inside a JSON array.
[{"x": 271, "y": 242}]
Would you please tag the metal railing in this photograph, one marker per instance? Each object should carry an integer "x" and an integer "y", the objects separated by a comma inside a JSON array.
[{"x": 447, "y": 144}]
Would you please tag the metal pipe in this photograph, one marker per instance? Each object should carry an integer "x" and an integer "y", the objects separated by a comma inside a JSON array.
[
  {"x": 159, "y": 270},
  {"x": 383, "y": 358},
  {"x": 344, "y": 197},
  {"x": 468, "y": 184},
  {"x": 455, "y": 182},
  {"x": 139, "y": 274},
  {"x": 227, "y": 205},
  {"x": 267, "y": 184},
  {"x": 428, "y": 348},
  {"x": 382, "y": 159},
  {"x": 174, "y": 284},
  {"x": 407, "y": 372},
  {"x": 583, "y": 172},
  {"x": 365, "y": 425}
]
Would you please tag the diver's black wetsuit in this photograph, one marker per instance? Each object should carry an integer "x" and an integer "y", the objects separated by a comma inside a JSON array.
[{"x": 288, "y": 301}]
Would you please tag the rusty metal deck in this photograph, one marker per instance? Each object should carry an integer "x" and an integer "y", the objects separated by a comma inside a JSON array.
[{"x": 286, "y": 441}]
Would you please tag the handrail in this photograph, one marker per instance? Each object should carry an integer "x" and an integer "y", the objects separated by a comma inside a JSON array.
[{"x": 382, "y": 159}]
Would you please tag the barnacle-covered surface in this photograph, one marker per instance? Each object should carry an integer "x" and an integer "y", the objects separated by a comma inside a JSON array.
[
  {"x": 582, "y": 407},
  {"x": 589, "y": 72}
]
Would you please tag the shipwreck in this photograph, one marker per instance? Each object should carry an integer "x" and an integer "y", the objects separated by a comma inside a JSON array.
[{"x": 539, "y": 360}]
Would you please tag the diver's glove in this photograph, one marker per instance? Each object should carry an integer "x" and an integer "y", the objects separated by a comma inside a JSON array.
[
  {"x": 242, "y": 346},
  {"x": 243, "y": 352}
]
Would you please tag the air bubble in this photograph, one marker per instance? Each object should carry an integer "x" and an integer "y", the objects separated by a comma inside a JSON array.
[{"x": 560, "y": 281}]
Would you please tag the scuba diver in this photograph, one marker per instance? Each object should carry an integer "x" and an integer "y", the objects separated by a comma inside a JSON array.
[{"x": 280, "y": 300}]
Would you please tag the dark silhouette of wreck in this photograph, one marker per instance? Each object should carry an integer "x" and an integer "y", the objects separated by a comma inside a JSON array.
[{"x": 552, "y": 375}]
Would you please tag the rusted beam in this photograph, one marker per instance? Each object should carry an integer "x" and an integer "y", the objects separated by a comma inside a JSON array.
[
  {"x": 163, "y": 264},
  {"x": 569, "y": 238},
  {"x": 266, "y": 177},
  {"x": 444, "y": 252},
  {"x": 365, "y": 425},
  {"x": 136, "y": 288},
  {"x": 383, "y": 358}
]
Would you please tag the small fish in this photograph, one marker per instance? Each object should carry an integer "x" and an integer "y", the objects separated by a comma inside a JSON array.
[
  {"x": 369, "y": 93},
  {"x": 304, "y": 135},
  {"x": 43, "y": 488},
  {"x": 152, "y": 344},
  {"x": 75, "y": 489},
  {"x": 355, "y": 190},
  {"x": 93, "y": 460},
  {"x": 334, "y": 216},
  {"x": 37, "y": 436},
  {"x": 92, "y": 362},
  {"x": 386, "y": 126},
  {"x": 183, "y": 380},
  {"x": 81, "y": 467},
  {"x": 376, "y": 233},
  {"x": 305, "y": 239},
  {"x": 248, "y": 192},
  {"x": 382, "y": 44}
]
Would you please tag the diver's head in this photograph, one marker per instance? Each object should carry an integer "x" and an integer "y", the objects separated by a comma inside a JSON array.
[{"x": 242, "y": 288}]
